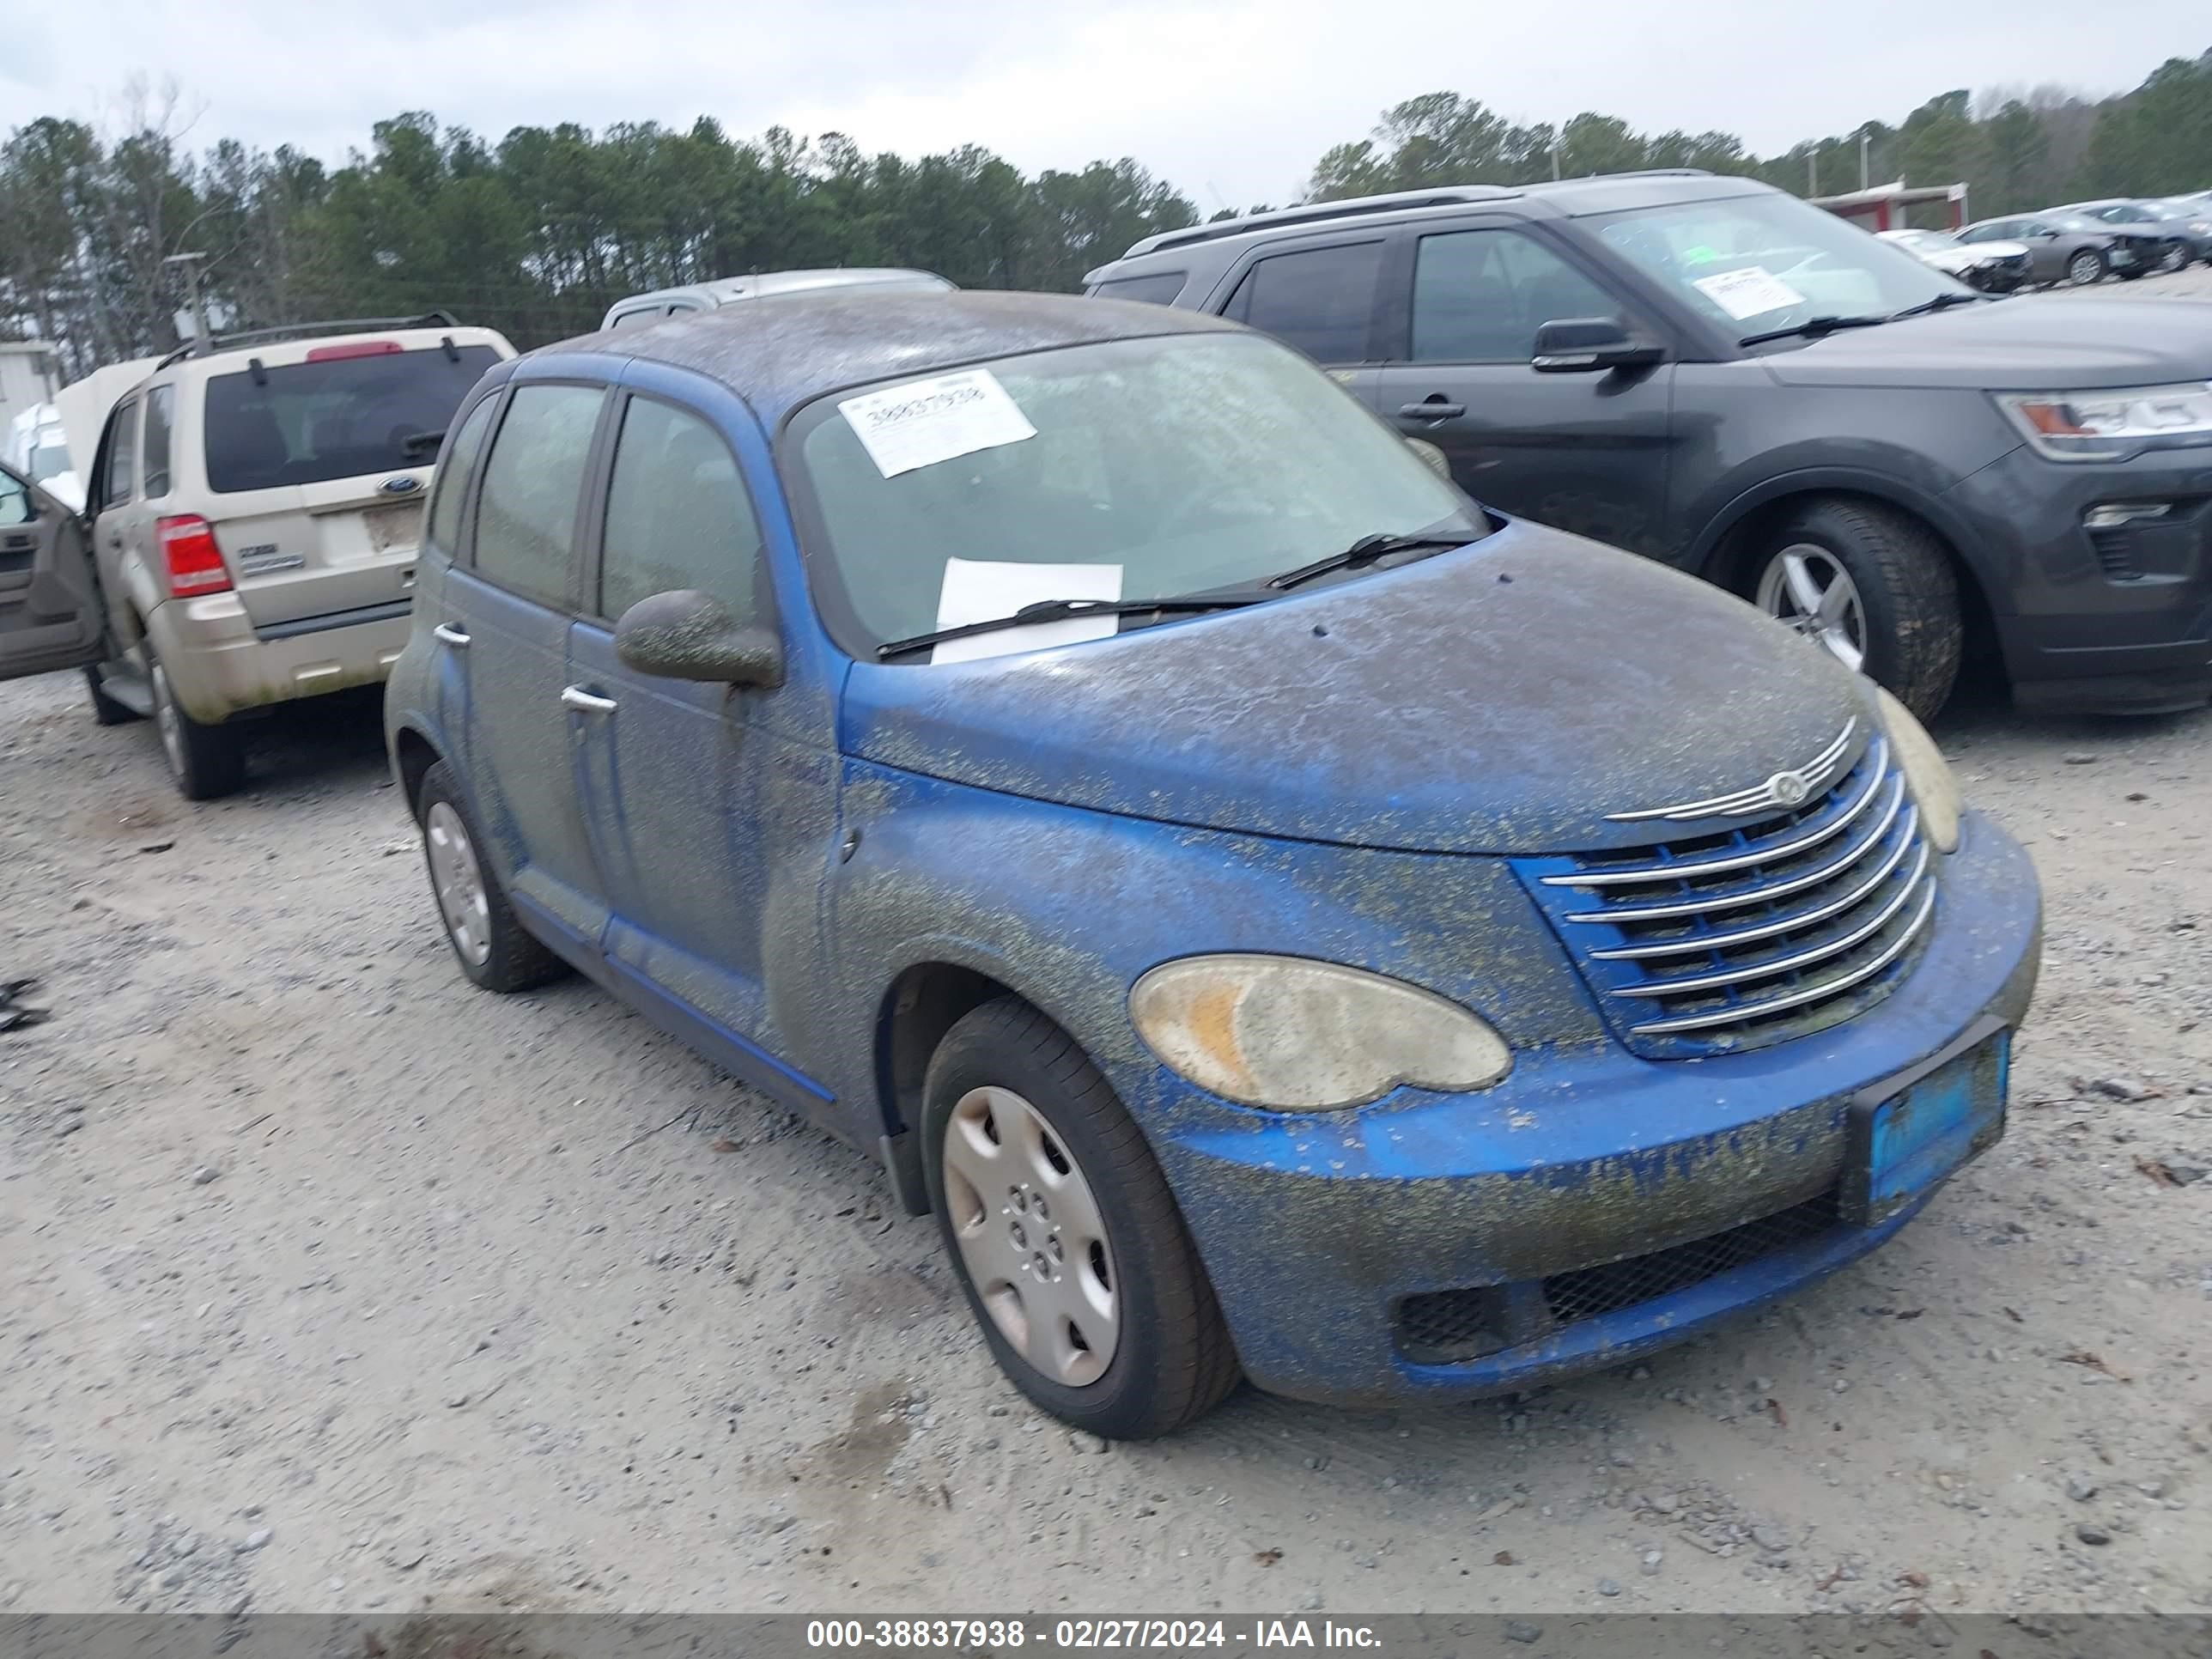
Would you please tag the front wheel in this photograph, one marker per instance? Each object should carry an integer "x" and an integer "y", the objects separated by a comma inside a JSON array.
[
  {"x": 1074, "y": 1256},
  {"x": 2085, "y": 267},
  {"x": 2175, "y": 258},
  {"x": 1872, "y": 587}
]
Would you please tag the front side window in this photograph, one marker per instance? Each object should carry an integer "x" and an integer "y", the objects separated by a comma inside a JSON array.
[
  {"x": 678, "y": 515},
  {"x": 452, "y": 486},
  {"x": 526, "y": 509},
  {"x": 1159, "y": 289},
  {"x": 1319, "y": 301},
  {"x": 339, "y": 416},
  {"x": 158, "y": 402},
  {"x": 1156, "y": 468},
  {"x": 122, "y": 450},
  {"x": 1480, "y": 296},
  {"x": 15, "y": 501},
  {"x": 1753, "y": 263}
]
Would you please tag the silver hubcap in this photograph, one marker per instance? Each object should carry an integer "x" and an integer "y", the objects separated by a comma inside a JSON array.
[
  {"x": 167, "y": 722},
  {"x": 1031, "y": 1237},
  {"x": 1807, "y": 588},
  {"x": 2174, "y": 259},
  {"x": 2085, "y": 267},
  {"x": 459, "y": 881}
]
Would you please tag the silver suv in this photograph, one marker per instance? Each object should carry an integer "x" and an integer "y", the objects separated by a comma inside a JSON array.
[{"x": 249, "y": 533}]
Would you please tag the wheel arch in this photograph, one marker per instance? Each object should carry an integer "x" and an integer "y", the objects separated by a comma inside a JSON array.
[{"x": 413, "y": 755}]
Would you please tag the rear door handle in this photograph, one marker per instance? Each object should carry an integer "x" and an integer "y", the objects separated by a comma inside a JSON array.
[
  {"x": 584, "y": 702},
  {"x": 447, "y": 634},
  {"x": 1435, "y": 410}
]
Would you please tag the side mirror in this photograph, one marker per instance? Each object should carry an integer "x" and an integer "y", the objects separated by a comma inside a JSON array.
[
  {"x": 1584, "y": 345},
  {"x": 690, "y": 636},
  {"x": 1431, "y": 454}
]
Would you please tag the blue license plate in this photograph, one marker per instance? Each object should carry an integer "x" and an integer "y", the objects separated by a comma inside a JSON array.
[{"x": 1906, "y": 1136}]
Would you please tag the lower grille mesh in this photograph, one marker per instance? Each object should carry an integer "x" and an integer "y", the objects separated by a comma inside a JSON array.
[{"x": 1591, "y": 1292}]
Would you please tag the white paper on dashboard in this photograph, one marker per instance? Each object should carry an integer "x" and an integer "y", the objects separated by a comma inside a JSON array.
[
  {"x": 978, "y": 590},
  {"x": 1748, "y": 292},
  {"x": 925, "y": 422}
]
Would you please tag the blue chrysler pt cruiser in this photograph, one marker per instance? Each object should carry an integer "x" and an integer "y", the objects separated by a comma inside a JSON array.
[{"x": 1283, "y": 919}]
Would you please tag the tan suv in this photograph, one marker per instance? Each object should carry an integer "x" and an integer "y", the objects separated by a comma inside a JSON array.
[{"x": 252, "y": 513}]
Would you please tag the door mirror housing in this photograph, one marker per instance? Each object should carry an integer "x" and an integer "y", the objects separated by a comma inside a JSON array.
[
  {"x": 689, "y": 635},
  {"x": 1584, "y": 345}
]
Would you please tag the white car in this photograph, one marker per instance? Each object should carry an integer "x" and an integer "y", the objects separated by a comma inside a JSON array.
[
  {"x": 1993, "y": 267},
  {"x": 37, "y": 449}
]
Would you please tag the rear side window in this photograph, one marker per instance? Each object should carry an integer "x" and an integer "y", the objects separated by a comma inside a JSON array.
[
  {"x": 452, "y": 483},
  {"x": 336, "y": 417},
  {"x": 1159, "y": 289},
  {"x": 677, "y": 515},
  {"x": 527, "y": 510},
  {"x": 1480, "y": 296},
  {"x": 1319, "y": 301},
  {"x": 158, "y": 402},
  {"x": 122, "y": 450}
]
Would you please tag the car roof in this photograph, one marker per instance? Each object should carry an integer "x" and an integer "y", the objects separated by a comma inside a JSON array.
[
  {"x": 777, "y": 357},
  {"x": 278, "y": 354}
]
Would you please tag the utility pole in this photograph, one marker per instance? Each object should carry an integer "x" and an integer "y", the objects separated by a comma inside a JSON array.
[
  {"x": 1555, "y": 160},
  {"x": 1812, "y": 172},
  {"x": 192, "y": 262},
  {"x": 1864, "y": 138}
]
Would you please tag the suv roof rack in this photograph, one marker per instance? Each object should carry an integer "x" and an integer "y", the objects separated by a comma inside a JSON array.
[
  {"x": 304, "y": 330},
  {"x": 1393, "y": 202}
]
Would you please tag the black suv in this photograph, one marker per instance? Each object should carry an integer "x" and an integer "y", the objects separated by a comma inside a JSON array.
[{"x": 1714, "y": 374}]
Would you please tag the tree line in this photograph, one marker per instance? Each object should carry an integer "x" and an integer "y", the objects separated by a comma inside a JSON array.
[{"x": 537, "y": 233}]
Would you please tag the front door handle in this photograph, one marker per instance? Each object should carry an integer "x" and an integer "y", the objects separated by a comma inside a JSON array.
[
  {"x": 447, "y": 633},
  {"x": 584, "y": 702},
  {"x": 1436, "y": 409}
]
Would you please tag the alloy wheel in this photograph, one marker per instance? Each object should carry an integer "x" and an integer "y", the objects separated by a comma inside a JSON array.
[
  {"x": 458, "y": 880},
  {"x": 1032, "y": 1236},
  {"x": 166, "y": 720},
  {"x": 1808, "y": 587},
  {"x": 2084, "y": 268}
]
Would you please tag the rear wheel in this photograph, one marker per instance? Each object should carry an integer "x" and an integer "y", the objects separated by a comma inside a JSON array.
[
  {"x": 2085, "y": 267},
  {"x": 2176, "y": 257},
  {"x": 492, "y": 946},
  {"x": 206, "y": 761},
  {"x": 1874, "y": 588},
  {"x": 1076, "y": 1261}
]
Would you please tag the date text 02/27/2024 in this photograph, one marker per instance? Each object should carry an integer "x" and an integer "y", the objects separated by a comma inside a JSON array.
[{"x": 1080, "y": 1635}]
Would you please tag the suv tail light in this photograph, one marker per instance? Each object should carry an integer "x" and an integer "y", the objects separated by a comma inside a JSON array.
[{"x": 188, "y": 549}]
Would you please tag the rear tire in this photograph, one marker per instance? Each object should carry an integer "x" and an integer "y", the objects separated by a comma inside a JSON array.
[
  {"x": 1914, "y": 632},
  {"x": 1005, "y": 1068},
  {"x": 207, "y": 762},
  {"x": 104, "y": 708},
  {"x": 493, "y": 949}
]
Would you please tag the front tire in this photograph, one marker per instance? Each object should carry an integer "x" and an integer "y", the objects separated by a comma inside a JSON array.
[
  {"x": 207, "y": 762},
  {"x": 1068, "y": 1243},
  {"x": 2086, "y": 268},
  {"x": 1873, "y": 586},
  {"x": 492, "y": 946}
]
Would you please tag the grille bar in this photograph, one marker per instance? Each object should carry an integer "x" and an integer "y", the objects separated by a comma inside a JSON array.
[
  {"x": 1790, "y": 922},
  {"x": 1693, "y": 870},
  {"x": 1797, "y": 961},
  {"x": 1810, "y": 993}
]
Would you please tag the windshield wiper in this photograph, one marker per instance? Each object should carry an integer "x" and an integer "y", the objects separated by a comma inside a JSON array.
[
  {"x": 1941, "y": 302},
  {"x": 1366, "y": 551},
  {"x": 1047, "y": 610},
  {"x": 1812, "y": 328}
]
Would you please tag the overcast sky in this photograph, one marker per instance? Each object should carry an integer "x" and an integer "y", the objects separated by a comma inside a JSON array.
[{"x": 1230, "y": 100}]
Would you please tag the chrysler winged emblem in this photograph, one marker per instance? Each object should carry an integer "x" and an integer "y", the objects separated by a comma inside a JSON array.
[{"x": 1783, "y": 789}]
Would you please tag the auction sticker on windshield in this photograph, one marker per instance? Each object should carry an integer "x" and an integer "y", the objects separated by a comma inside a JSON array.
[
  {"x": 925, "y": 422},
  {"x": 1750, "y": 291}
]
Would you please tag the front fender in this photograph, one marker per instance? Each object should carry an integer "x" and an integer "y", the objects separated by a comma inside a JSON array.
[
  {"x": 1066, "y": 906},
  {"x": 1915, "y": 486}
]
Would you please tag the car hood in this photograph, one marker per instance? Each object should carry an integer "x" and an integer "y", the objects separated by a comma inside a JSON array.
[
  {"x": 1503, "y": 698},
  {"x": 1981, "y": 253},
  {"x": 2032, "y": 344}
]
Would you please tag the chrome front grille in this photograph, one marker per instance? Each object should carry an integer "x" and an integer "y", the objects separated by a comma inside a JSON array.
[{"x": 1752, "y": 935}]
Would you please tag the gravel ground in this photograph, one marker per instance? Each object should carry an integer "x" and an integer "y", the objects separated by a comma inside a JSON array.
[{"x": 327, "y": 1282}]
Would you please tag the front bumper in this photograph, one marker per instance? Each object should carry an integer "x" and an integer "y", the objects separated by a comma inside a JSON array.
[
  {"x": 1317, "y": 1230},
  {"x": 219, "y": 666},
  {"x": 2115, "y": 620}
]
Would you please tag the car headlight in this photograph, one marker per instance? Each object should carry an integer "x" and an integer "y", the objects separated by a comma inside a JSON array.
[
  {"x": 1927, "y": 774},
  {"x": 2111, "y": 426},
  {"x": 1301, "y": 1035}
]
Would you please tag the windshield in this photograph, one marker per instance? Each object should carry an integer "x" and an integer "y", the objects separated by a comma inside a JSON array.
[
  {"x": 1150, "y": 469},
  {"x": 2160, "y": 211},
  {"x": 1756, "y": 263},
  {"x": 2075, "y": 221},
  {"x": 339, "y": 418}
]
